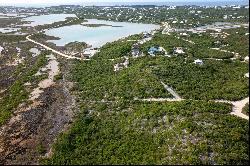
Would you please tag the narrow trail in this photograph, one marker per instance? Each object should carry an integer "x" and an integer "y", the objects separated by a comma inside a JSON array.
[
  {"x": 160, "y": 99},
  {"x": 53, "y": 67}
]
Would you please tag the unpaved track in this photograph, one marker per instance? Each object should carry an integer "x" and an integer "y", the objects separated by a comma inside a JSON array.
[
  {"x": 237, "y": 107},
  {"x": 170, "y": 90},
  {"x": 54, "y": 51}
]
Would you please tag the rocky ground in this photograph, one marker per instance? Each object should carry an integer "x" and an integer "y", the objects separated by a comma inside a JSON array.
[{"x": 33, "y": 128}]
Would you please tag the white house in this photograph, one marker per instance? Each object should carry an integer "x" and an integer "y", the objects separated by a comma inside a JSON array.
[
  {"x": 247, "y": 75},
  {"x": 198, "y": 62},
  {"x": 179, "y": 50},
  {"x": 184, "y": 34},
  {"x": 116, "y": 67},
  {"x": 1, "y": 49},
  {"x": 126, "y": 63},
  {"x": 246, "y": 59}
]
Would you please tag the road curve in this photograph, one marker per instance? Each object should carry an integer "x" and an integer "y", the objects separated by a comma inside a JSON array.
[{"x": 54, "y": 51}]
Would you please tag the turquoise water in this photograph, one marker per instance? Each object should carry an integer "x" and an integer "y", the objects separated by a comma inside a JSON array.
[
  {"x": 98, "y": 36},
  {"x": 46, "y": 19}
]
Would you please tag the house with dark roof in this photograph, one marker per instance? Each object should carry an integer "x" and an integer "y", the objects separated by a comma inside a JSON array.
[{"x": 135, "y": 49}]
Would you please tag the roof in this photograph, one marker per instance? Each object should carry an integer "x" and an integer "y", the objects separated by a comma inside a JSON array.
[
  {"x": 153, "y": 49},
  {"x": 198, "y": 61}
]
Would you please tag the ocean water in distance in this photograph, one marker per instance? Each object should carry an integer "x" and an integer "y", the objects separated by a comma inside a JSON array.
[{"x": 98, "y": 36}]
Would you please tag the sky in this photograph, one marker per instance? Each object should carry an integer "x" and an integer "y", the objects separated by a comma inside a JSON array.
[{"x": 16, "y": 2}]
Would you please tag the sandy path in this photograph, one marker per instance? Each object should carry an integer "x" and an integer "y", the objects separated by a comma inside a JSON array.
[
  {"x": 160, "y": 99},
  {"x": 53, "y": 71},
  {"x": 237, "y": 107}
]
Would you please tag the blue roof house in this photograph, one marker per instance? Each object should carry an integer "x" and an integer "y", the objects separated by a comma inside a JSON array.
[{"x": 153, "y": 50}]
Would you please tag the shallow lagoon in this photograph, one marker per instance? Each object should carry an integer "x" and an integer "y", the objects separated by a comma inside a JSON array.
[
  {"x": 98, "y": 36},
  {"x": 46, "y": 19}
]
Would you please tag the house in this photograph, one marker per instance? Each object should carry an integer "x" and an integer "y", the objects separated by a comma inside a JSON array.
[
  {"x": 146, "y": 35},
  {"x": 246, "y": 59},
  {"x": 179, "y": 50},
  {"x": 117, "y": 67},
  {"x": 198, "y": 62},
  {"x": 183, "y": 34},
  {"x": 1, "y": 49},
  {"x": 153, "y": 50},
  {"x": 126, "y": 63},
  {"x": 135, "y": 50},
  {"x": 247, "y": 75}
]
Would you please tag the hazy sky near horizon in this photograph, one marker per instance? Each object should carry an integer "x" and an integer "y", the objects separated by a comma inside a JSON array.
[{"x": 2, "y": 2}]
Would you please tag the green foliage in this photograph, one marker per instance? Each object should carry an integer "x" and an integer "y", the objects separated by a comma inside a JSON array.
[
  {"x": 246, "y": 109},
  {"x": 213, "y": 80},
  {"x": 114, "y": 129},
  {"x": 41, "y": 36},
  {"x": 12, "y": 38},
  {"x": 166, "y": 41},
  {"x": 96, "y": 80},
  {"x": 209, "y": 53},
  {"x": 76, "y": 46},
  {"x": 238, "y": 41},
  {"x": 185, "y": 132},
  {"x": 115, "y": 50},
  {"x": 58, "y": 77}
]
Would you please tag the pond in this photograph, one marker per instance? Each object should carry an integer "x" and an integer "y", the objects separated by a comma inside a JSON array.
[{"x": 100, "y": 35}]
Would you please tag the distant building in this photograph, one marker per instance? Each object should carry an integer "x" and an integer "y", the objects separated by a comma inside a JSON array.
[
  {"x": 117, "y": 67},
  {"x": 135, "y": 50},
  {"x": 126, "y": 63},
  {"x": 179, "y": 50},
  {"x": 247, "y": 75},
  {"x": 146, "y": 35},
  {"x": 1, "y": 49},
  {"x": 198, "y": 62},
  {"x": 183, "y": 34},
  {"x": 246, "y": 59},
  {"x": 153, "y": 50}
]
